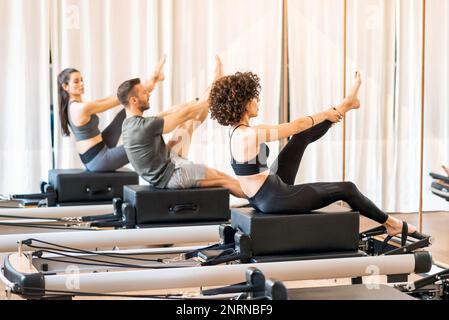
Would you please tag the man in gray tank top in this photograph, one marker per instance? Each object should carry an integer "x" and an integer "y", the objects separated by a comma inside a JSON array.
[{"x": 161, "y": 164}]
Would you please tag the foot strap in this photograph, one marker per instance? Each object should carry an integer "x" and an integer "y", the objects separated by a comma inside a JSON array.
[{"x": 404, "y": 237}]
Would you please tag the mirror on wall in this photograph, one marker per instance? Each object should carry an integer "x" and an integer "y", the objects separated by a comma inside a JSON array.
[{"x": 436, "y": 129}]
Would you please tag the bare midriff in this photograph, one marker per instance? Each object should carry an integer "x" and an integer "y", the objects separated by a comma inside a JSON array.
[
  {"x": 83, "y": 146},
  {"x": 252, "y": 184}
]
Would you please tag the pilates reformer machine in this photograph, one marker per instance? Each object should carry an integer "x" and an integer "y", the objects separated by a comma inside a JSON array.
[
  {"x": 282, "y": 247},
  {"x": 187, "y": 220},
  {"x": 65, "y": 203},
  {"x": 94, "y": 201},
  {"x": 75, "y": 187},
  {"x": 440, "y": 186}
]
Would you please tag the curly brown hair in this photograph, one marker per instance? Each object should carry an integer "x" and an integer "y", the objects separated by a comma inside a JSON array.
[{"x": 231, "y": 94}]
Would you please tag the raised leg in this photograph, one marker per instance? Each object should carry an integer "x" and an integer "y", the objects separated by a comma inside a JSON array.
[
  {"x": 287, "y": 164},
  {"x": 215, "y": 178},
  {"x": 112, "y": 133}
]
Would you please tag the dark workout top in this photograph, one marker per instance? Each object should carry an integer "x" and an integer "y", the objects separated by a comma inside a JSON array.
[
  {"x": 251, "y": 167},
  {"x": 88, "y": 131},
  {"x": 146, "y": 149}
]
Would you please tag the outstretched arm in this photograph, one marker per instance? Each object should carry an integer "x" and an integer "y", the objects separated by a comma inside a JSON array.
[
  {"x": 217, "y": 75},
  {"x": 269, "y": 133},
  {"x": 190, "y": 111},
  {"x": 158, "y": 75},
  {"x": 173, "y": 109},
  {"x": 102, "y": 105},
  {"x": 279, "y": 132}
]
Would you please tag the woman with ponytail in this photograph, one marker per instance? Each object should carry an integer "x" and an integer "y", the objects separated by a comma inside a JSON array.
[{"x": 98, "y": 150}]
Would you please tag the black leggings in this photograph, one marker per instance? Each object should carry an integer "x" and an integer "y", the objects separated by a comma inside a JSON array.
[
  {"x": 112, "y": 133},
  {"x": 110, "y": 157},
  {"x": 280, "y": 195}
]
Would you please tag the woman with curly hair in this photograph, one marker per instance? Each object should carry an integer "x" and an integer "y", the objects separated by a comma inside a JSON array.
[{"x": 234, "y": 101}]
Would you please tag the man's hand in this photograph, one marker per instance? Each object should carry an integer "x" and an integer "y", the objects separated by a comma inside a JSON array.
[
  {"x": 158, "y": 75},
  {"x": 334, "y": 116},
  {"x": 219, "y": 73}
]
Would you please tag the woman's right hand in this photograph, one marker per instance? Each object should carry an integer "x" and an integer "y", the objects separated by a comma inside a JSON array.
[{"x": 333, "y": 116}]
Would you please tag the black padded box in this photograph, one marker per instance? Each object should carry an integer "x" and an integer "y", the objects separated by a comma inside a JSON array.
[
  {"x": 156, "y": 206},
  {"x": 79, "y": 186},
  {"x": 316, "y": 232}
]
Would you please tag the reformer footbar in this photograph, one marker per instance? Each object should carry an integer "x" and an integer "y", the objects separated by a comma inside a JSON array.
[{"x": 408, "y": 242}]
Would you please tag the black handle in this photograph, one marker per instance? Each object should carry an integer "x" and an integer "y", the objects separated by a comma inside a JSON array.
[
  {"x": 189, "y": 207},
  {"x": 95, "y": 192}
]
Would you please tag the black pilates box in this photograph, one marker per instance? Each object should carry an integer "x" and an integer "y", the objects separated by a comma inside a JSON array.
[
  {"x": 79, "y": 186},
  {"x": 312, "y": 232},
  {"x": 164, "y": 206}
]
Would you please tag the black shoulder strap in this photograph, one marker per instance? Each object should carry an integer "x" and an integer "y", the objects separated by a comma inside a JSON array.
[
  {"x": 235, "y": 129},
  {"x": 230, "y": 139}
]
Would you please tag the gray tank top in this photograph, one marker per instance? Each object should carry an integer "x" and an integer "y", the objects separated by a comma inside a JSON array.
[{"x": 88, "y": 131}]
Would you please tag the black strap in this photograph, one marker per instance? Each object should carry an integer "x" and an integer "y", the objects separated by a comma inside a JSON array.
[
  {"x": 404, "y": 236},
  {"x": 233, "y": 131},
  {"x": 231, "y": 134},
  {"x": 385, "y": 244}
]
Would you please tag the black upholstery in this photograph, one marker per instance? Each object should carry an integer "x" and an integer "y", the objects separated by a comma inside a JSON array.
[
  {"x": 316, "y": 232},
  {"x": 79, "y": 186},
  {"x": 354, "y": 292},
  {"x": 154, "y": 206},
  {"x": 309, "y": 256}
]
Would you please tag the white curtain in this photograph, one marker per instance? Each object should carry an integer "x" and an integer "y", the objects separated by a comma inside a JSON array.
[
  {"x": 113, "y": 40},
  {"x": 248, "y": 37},
  {"x": 25, "y": 144},
  {"x": 109, "y": 41},
  {"x": 383, "y": 137},
  {"x": 407, "y": 116},
  {"x": 436, "y": 135},
  {"x": 316, "y": 73},
  {"x": 382, "y": 155}
]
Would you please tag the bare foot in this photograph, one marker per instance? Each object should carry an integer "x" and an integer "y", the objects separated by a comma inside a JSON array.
[
  {"x": 352, "y": 99},
  {"x": 394, "y": 227}
]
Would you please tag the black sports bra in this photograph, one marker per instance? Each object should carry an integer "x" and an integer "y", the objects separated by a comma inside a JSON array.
[{"x": 251, "y": 167}]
